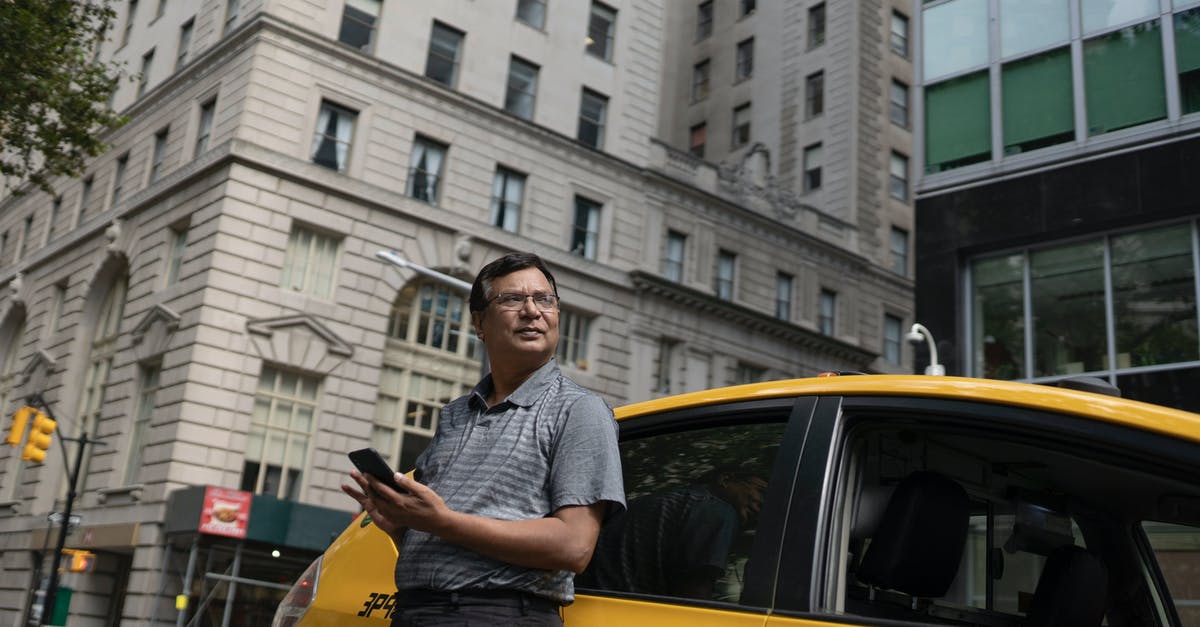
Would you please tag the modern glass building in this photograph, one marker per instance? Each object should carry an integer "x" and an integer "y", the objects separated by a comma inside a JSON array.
[{"x": 1056, "y": 214}]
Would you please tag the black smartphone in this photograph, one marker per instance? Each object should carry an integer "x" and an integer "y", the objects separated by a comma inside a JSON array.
[{"x": 370, "y": 462}]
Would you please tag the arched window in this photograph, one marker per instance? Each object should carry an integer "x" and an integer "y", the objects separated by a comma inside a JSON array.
[
  {"x": 100, "y": 359},
  {"x": 11, "y": 341},
  {"x": 435, "y": 316}
]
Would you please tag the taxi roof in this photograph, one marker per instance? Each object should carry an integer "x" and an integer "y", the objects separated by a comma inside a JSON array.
[{"x": 1173, "y": 422}]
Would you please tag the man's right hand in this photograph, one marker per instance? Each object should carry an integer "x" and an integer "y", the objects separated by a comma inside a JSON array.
[{"x": 367, "y": 492}]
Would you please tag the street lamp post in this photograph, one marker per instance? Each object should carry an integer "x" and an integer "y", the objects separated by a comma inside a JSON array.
[{"x": 916, "y": 335}]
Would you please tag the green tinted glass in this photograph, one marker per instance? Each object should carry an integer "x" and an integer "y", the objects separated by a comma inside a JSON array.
[
  {"x": 1187, "y": 58},
  {"x": 1037, "y": 103},
  {"x": 1123, "y": 76},
  {"x": 957, "y": 122}
]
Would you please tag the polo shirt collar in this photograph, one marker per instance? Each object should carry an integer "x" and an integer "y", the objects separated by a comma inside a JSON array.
[{"x": 524, "y": 396}]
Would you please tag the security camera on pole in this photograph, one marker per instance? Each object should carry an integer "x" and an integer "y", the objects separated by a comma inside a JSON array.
[{"x": 919, "y": 334}]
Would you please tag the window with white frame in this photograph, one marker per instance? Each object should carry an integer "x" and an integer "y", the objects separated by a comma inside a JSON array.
[
  {"x": 672, "y": 262},
  {"x": 784, "y": 285},
  {"x": 746, "y": 7},
  {"x": 359, "y": 18},
  {"x": 725, "y": 274},
  {"x": 701, "y": 73},
  {"x": 602, "y": 23},
  {"x": 433, "y": 315},
  {"x": 816, "y": 25},
  {"x": 160, "y": 152},
  {"x": 185, "y": 42},
  {"x": 55, "y": 215},
  {"x": 585, "y": 230},
  {"x": 144, "y": 76},
  {"x": 9, "y": 380},
  {"x": 147, "y": 394},
  {"x": 593, "y": 109},
  {"x": 891, "y": 339},
  {"x": 814, "y": 94},
  {"x": 899, "y": 248},
  {"x": 204, "y": 126},
  {"x": 744, "y": 62},
  {"x": 898, "y": 177},
  {"x": 425, "y": 169},
  {"x": 741, "y": 126},
  {"x": 573, "y": 334},
  {"x": 311, "y": 262},
  {"x": 118, "y": 187},
  {"x": 102, "y": 351},
  {"x": 232, "y": 8},
  {"x": 177, "y": 241},
  {"x": 407, "y": 411},
  {"x": 57, "y": 302},
  {"x": 813, "y": 160},
  {"x": 704, "y": 20},
  {"x": 666, "y": 365},
  {"x": 697, "y": 137},
  {"x": 281, "y": 428},
  {"x": 129, "y": 18},
  {"x": 85, "y": 197},
  {"x": 899, "y": 34},
  {"x": 445, "y": 48},
  {"x": 508, "y": 189},
  {"x": 26, "y": 237},
  {"x": 334, "y": 132},
  {"x": 522, "y": 88},
  {"x": 532, "y": 12},
  {"x": 827, "y": 312},
  {"x": 898, "y": 107}
]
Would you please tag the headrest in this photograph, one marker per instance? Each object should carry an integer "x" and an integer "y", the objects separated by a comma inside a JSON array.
[
  {"x": 1072, "y": 590},
  {"x": 919, "y": 543}
]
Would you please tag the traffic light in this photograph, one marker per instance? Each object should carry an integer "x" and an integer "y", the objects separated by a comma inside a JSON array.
[
  {"x": 16, "y": 433},
  {"x": 39, "y": 438},
  {"x": 81, "y": 561}
]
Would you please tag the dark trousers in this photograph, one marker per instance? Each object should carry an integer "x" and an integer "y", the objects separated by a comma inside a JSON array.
[{"x": 427, "y": 608}]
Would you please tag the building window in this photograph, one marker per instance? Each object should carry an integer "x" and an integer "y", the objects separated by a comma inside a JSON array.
[
  {"x": 129, "y": 17},
  {"x": 899, "y": 248},
  {"x": 103, "y": 349},
  {"x": 508, "y": 188},
  {"x": 816, "y": 25},
  {"x": 1138, "y": 288},
  {"x": 741, "y": 126},
  {"x": 814, "y": 94},
  {"x": 700, "y": 80},
  {"x": 672, "y": 261},
  {"x": 407, "y": 413},
  {"x": 813, "y": 160},
  {"x": 962, "y": 38},
  {"x": 85, "y": 198},
  {"x": 178, "y": 242},
  {"x": 232, "y": 7},
  {"x": 899, "y": 34},
  {"x": 160, "y": 152},
  {"x": 748, "y": 373},
  {"x": 696, "y": 140},
  {"x": 55, "y": 216},
  {"x": 726, "y": 269},
  {"x": 593, "y": 108},
  {"x": 445, "y": 46},
  {"x": 358, "y": 23},
  {"x": 281, "y": 427},
  {"x": 601, "y": 25},
  {"x": 26, "y": 235},
  {"x": 827, "y": 312},
  {"x": 666, "y": 365},
  {"x": 704, "y": 20},
  {"x": 891, "y": 339},
  {"x": 185, "y": 42},
  {"x": 522, "y": 87},
  {"x": 144, "y": 77},
  {"x": 585, "y": 231},
  {"x": 898, "y": 110},
  {"x": 532, "y": 12},
  {"x": 54, "y": 323},
  {"x": 3, "y": 245},
  {"x": 118, "y": 187},
  {"x": 331, "y": 141},
  {"x": 784, "y": 283},
  {"x": 1187, "y": 58},
  {"x": 744, "y": 64},
  {"x": 433, "y": 315},
  {"x": 898, "y": 177},
  {"x": 311, "y": 262},
  {"x": 574, "y": 331},
  {"x": 147, "y": 394},
  {"x": 204, "y": 128},
  {"x": 1037, "y": 101},
  {"x": 746, "y": 7},
  {"x": 425, "y": 171},
  {"x": 958, "y": 128}
]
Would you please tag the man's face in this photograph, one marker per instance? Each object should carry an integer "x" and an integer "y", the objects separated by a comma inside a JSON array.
[{"x": 527, "y": 335}]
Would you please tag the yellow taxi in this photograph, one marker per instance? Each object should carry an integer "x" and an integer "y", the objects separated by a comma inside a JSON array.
[{"x": 876, "y": 500}]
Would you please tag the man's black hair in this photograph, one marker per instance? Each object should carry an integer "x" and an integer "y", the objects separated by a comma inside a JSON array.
[{"x": 508, "y": 264}]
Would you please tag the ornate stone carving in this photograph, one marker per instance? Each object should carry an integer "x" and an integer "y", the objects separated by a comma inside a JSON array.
[
  {"x": 751, "y": 182},
  {"x": 152, "y": 336},
  {"x": 299, "y": 341}
]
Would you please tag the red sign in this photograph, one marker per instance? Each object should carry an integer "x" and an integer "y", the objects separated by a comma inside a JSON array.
[{"x": 225, "y": 512}]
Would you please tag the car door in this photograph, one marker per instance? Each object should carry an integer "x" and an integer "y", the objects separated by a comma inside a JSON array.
[
  {"x": 708, "y": 491},
  {"x": 936, "y": 511}
]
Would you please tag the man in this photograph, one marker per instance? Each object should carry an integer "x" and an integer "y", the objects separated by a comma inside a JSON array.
[
  {"x": 680, "y": 541},
  {"x": 507, "y": 501}
]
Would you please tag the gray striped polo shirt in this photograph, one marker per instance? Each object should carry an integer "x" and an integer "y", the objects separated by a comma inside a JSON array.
[{"x": 550, "y": 444}]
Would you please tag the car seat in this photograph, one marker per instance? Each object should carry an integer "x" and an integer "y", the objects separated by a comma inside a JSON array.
[{"x": 1072, "y": 590}]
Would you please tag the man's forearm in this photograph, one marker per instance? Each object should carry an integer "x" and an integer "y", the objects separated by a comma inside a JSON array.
[{"x": 550, "y": 543}]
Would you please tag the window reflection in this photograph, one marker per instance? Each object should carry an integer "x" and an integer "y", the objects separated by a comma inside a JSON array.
[
  {"x": 963, "y": 40},
  {"x": 1031, "y": 24},
  {"x": 999, "y": 319},
  {"x": 1067, "y": 293},
  {"x": 1154, "y": 297}
]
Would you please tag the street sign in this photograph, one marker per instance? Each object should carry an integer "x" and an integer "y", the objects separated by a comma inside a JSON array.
[{"x": 56, "y": 519}]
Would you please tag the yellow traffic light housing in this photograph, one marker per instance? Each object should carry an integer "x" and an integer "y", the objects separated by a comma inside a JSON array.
[
  {"x": 81, "y": 561},
  {"x": 20, "y": 422},
  {"x": 39, "y": 438}
]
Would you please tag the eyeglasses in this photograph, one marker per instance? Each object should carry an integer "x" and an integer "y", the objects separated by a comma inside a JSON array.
[{"x": 514, "y": 301}]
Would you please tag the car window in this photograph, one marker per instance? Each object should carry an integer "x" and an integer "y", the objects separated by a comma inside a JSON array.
[
  {"x": 1177, "y": 550},
  {"x": 963, "y": 520},
  {"x": 694, "y": 497}
]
